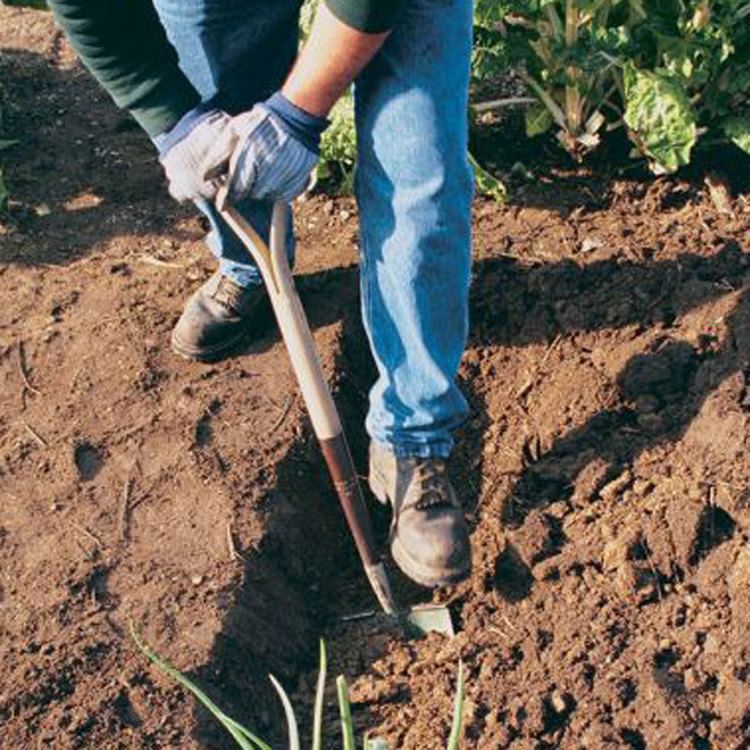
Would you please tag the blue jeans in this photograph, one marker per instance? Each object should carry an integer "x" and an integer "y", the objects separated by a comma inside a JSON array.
[
  {"x": 414, "y": 189},
  {"x": 235, "y": 53}
]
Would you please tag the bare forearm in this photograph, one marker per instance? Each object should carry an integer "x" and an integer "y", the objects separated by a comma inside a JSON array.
[{"x": 331, "y": 59}]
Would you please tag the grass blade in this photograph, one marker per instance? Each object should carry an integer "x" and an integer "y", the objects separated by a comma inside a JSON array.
[
  {"x": 458, "y": 708},
  {"x": 317, "y": 743},
  {"x": 291, "y": 719},
  {"x": 242, "y": 736},
  {"x": 347, "y": 729}
]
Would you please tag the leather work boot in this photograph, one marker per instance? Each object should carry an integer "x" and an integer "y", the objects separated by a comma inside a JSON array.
[
  {"x": 216, "y": 319},
  {"x": 429, "y": 536}
]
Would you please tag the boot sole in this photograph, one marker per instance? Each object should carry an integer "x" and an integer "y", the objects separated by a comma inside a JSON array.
[
  {"x": 415, "y": 570},
  {"x": 422, "y": 575},
  {"x": 209, "y": 354}
]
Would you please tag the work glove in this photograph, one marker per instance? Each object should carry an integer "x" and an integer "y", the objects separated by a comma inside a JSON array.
[
  {"x": 195, "y": 151},
  {"x": 277, "y": 146}
]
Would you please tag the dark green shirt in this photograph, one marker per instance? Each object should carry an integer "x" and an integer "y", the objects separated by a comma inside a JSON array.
[{"x": 125, "y": 47}]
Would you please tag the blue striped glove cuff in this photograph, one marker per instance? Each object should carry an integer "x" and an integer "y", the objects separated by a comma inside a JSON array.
[{"x": 305, "y": 127}]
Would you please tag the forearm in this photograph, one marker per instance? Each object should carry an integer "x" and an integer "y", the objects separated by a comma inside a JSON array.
[
  {"x": 125, "y": 47},
  {"x": 333, "y": 56}
]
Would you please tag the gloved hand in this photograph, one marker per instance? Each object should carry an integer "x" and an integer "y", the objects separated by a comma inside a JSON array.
[
  {"x": 277, "y": 146},
  {"x": 195, "y": 151}
]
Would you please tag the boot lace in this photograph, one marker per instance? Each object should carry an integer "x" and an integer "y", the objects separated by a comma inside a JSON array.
[
  {"x": 431, "y": 485},
  {"x": 229, "y": 294}
]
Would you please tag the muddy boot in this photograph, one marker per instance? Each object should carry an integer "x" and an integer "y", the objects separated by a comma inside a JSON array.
[
  {"x": 429, "y": 536},
  {"x": 216, "y": 319}
]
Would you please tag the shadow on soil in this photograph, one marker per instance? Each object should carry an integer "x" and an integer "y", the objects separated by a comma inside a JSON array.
[
  {"x": 661, "y": 391},
  {"x": 278, "y": 612},
  {"x": 70, "y": 194},
  {"x": 306, "y": 575}
]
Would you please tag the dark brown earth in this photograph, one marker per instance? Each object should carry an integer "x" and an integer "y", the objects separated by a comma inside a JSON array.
[{"x": 604, "y": 467}]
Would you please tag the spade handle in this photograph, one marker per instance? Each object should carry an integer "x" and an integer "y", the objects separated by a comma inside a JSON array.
[{"x": 273, "y": 265}]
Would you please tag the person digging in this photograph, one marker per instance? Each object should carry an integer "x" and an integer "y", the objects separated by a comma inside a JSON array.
[{"x": 221, "y": 90}]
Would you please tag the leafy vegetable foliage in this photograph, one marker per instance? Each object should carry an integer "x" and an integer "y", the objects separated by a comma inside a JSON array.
[{"x": 669, "y": 70}]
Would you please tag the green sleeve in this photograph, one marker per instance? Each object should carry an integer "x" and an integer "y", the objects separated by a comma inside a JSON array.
[
  {"x": 370, "y": 16},
  {"x": 124, "y": 45}
]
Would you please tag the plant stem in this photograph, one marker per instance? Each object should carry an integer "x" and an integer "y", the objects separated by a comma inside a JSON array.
[
  {"x": 511, "y": 101},
  {"x": 573, "y": 113},
  {"x": 554, "y": 108}
]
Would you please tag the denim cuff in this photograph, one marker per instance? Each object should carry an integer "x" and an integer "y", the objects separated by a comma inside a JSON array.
[
  {"x": 440, "y": 449},
  {"x": 242, "y": 274},
  {"x": 299, "y": 123}
]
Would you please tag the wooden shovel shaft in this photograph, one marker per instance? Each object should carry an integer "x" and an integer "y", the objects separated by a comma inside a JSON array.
[
  {"x": 338, "y": 458},
  {"x": 295, "y": 331}
]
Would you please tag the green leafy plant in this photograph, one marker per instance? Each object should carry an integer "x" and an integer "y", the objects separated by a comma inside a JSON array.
[
  {"x": 567, "y": 53},
  {"x": 670, "y": 71},
  {"x": 660, "y": 118},
  {"x": 688, "y": 79},
  {"x": 487, "y": 184},
  {"x": 338, "y": 148},
  {"x": 248, "y": 740}
]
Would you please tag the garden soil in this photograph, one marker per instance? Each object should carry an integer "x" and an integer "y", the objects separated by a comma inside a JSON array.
[{"x": 604, "y": 467}]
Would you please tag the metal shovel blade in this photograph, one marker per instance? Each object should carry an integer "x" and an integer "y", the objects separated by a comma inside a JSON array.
[
  {"x": 430, "y": 618},
  {"x": 415, "y": 622}
]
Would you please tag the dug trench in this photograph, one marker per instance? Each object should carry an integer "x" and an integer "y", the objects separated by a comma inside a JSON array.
[{"x": 604, "y": 466}]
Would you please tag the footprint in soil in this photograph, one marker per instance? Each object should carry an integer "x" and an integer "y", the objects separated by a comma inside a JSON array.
[
  {"x": 203, "y": 431},
  {"x": 203, "y": 428},
  {"x": 88, "y": 459}
]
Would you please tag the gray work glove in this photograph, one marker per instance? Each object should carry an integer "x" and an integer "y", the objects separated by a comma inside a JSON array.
[
  {"x": 270, "y": 161},
  {"x": 266, "y": 153},
  {"x": 195, "y": 151}
]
